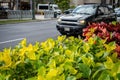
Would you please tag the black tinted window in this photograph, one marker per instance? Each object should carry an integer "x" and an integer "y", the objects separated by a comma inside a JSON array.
[
  {"x": 104, "y": 10},
  {"x": 43, "y": 7}
]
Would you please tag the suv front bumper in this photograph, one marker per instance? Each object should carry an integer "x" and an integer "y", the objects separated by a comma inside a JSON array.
[{"x": 70, "y": 30}]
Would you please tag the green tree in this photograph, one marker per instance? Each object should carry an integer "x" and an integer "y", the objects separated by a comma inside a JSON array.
[{"x": 63, "y": 4}]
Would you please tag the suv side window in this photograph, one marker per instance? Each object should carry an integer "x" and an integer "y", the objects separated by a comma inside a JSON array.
[{"x": 103, "y": 10}]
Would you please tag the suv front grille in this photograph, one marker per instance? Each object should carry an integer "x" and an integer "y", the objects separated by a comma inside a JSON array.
[
  {"x": 69, "y": 20},
  {"x": 69, "y": 24}
]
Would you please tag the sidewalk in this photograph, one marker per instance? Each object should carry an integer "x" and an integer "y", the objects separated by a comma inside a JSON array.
[{"x": 22, "y": 20}]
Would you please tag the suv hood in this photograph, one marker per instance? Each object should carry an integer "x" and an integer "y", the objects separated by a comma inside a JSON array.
[{"x": 75, "y": 16}]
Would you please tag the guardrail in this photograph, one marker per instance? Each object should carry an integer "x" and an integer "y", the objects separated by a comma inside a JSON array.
[
  {"x": 48, "y": 14},
  {"x": 19, "y": 14}
]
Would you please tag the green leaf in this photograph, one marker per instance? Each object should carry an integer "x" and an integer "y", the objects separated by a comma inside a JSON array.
[
  {"x": 86, "y": 47},
  {"x": 109, "y": 47},
  {"x": 114, "y": 22},
  {"x": 109, "y": 63},
  {"x": 85, "y": 70},
  {"x": 91, "y": 40},
  {"x": 4, "y": 77},
  {"x": 33, "y": 78},
  {"x": 114, "y": 57},
  {"x": 79, "y": 75},
  {"x": 116, "y": 69},
  {"x": 42, "y": 71},
  {"x": 88, "y": 59},
  {"x": 73, "y": 70},
  {"x": 104, "y": 76},
  {"x": 105, "y": 55},
  {"x": 118, "y": 76},
  {"x": 98, "y": 69},
  {"x": 52, "y": 63},
  {"x": 99, "y": 54},
  {"x": 62, "y": 77},
  {"x": 71, "y": 78}
]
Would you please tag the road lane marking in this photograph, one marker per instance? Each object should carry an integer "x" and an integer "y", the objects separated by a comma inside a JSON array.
[{"x": 11, "y": 40}]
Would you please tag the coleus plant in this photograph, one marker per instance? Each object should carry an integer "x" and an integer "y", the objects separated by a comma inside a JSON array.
[{"x": 108, "y": 31}]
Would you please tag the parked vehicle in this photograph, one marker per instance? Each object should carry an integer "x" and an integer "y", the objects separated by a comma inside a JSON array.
[
  {"x": 52, "y": 7},
  {"x": 68, "y": 11},
  {"x": 82, "y": 15},
  {"x": 117, "y": 11}
]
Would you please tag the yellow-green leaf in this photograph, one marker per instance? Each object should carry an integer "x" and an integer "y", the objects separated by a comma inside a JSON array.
[
  {"x": 109, "y": 63},
  {"x": 51, "y": 74}
]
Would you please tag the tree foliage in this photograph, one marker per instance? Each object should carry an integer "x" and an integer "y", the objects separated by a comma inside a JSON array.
[{"x": 63, "y": 4}]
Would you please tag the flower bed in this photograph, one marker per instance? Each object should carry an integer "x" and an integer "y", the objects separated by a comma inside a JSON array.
[{"x": 62, "y": 59}]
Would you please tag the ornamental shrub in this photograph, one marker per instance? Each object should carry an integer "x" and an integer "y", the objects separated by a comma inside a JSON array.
[
  {"x": 62, "y": 59},
  {"x": 109, "y": 32}
]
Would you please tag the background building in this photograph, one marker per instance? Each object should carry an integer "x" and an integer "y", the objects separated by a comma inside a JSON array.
[
  {"x": 79, "y": 2},
  {"x": 16, "y": 4},
  {"x": 26, "y": 4}
]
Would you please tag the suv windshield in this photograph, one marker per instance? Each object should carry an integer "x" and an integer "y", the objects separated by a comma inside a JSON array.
[{"x": 84, "y": 10}]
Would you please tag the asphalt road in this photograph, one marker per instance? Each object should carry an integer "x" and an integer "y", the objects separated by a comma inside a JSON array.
[{"x": 12, "y": 34}]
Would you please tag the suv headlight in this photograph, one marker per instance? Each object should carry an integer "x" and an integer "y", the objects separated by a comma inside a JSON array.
[
  {"x": 59, "y": 20},
  {"x": 82, "y": 21}
]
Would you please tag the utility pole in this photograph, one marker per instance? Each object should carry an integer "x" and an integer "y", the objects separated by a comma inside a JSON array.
[
  {"x": 17, "y": 3},
  {"x": 33, "y": 9},
  {"x": 118, "y": 3},
  {"x": 114, "y": 4}
]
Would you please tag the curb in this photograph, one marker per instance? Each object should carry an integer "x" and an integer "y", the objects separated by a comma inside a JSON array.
[{"x": 24, "y": 20}]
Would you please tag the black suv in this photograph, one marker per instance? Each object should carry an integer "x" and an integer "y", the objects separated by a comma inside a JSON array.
[{"x": 83, "y": 15}]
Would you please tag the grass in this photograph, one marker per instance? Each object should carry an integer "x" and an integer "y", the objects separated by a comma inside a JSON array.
[{"x": 14, "y": 21}]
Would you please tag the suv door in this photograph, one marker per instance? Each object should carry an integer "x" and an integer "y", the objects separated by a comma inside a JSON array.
[{"x": 105, "y": 14}]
